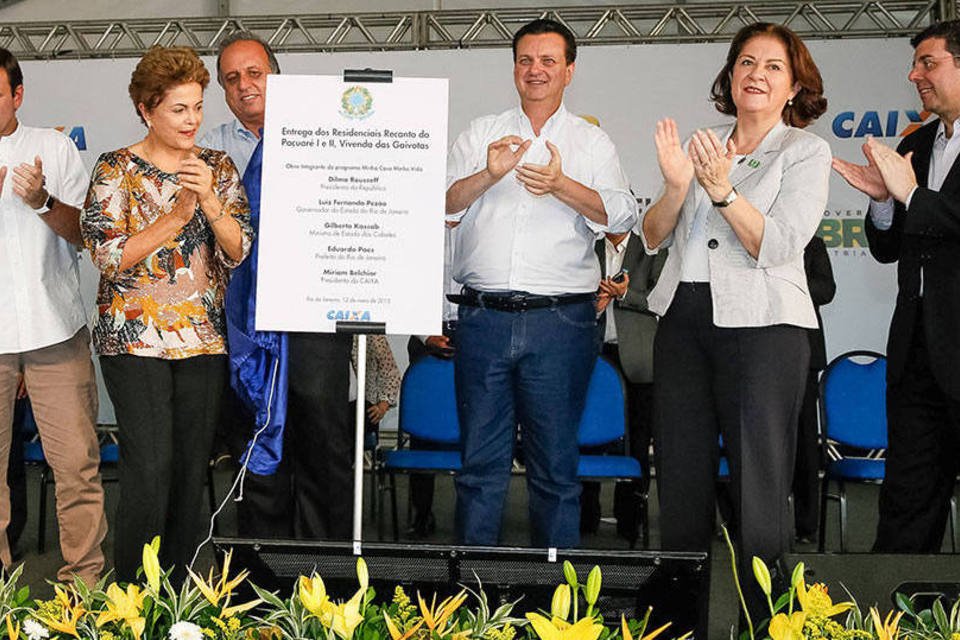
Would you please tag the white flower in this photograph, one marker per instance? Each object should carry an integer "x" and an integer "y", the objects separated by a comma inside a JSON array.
[
  {"x": 185, "y": 631},
  {"x": 34, "y": 630}
]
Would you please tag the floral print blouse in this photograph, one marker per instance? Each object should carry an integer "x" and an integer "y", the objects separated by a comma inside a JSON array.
[
  {"x": 383, "y": 377},
  {"x": 170, "y": 304}
]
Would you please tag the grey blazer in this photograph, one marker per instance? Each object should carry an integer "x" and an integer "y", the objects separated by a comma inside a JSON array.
[{"x": 787, "y": 179}]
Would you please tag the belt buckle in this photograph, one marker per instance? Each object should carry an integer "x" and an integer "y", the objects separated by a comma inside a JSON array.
[{"x": 518, "y": 301}]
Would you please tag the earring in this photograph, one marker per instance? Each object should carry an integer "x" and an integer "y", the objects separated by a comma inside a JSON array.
[{"x": 789, "y": 104}]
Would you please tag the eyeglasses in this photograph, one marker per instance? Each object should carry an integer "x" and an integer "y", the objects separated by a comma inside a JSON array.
[{"x": 929, "y": 63}]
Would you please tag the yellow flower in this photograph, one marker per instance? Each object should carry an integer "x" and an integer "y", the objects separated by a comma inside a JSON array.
[
  {"x": 125, "y": 607},
  {"x": 343, "y": 618},
  {"x": 435, "y": 617},
  {"x": 560, "y": 605},
  {"x": 151, "y": 564},
  {"x": 784, "y": 627},
  {"x": 395, "y": 633},
  {"x": 222, "y": 589},
  {"x": 13, "y": 629},
  {"x": 363, "y": 574},
  {"x": 557, "y": 629},
  {"x": 71, "y": 609},
  {"x": 817, "y": 603},
  {"x": 313, "y": 593},
  {"x": 625, "y": 630},
  {"x": 888, "y": 629},
  {"x": 762, "y": 574}
]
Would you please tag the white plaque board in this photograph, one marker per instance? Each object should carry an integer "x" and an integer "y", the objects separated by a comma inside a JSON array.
[{"x": 352, "y": 204}]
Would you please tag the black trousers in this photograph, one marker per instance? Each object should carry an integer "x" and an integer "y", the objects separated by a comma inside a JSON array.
[
  {"x": 923, "y": 457},
  {"x": 806, "y": 472},
  {"x": 745, "y": 384},
  {"x": 311, "y": 494},
  {"x": 167, "y": 412}
]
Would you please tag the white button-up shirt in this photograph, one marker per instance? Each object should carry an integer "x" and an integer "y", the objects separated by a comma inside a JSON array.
[
  {"x": 512, "y": 240},
  {"x": 39, "y": 275}
]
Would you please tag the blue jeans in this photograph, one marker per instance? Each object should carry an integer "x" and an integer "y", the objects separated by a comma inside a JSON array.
[{"x": 530, "y": 368}]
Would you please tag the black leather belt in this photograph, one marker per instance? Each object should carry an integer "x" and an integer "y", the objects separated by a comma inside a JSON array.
[{"x": 516, "y": 300}]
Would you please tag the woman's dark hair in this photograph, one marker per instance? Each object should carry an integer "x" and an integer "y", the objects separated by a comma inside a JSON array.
[
  {"x": 809, "y": 103},
  {"x": 159, "y": 70}
]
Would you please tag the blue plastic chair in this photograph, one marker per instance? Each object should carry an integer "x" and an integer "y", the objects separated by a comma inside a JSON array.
[
  {"x": 428, "y": 411},
  {"x": 604, "y": 422},
  {"x": 853, "y": 413}
]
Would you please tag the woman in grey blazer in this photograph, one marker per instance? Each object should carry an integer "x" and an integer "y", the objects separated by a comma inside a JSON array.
[{"x": 737, "y": 209}]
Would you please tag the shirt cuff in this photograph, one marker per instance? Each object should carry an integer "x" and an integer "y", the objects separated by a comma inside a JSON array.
[
  {"x": 881, "y": 212},
  {"x": 906, "y": 203}
]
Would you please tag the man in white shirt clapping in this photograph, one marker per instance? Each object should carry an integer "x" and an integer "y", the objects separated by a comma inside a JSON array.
[
  {"x": 43, "y": 329},
  {"x": 533, "y": 188}
]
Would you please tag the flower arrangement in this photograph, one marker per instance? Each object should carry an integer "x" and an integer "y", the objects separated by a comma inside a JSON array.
[
  {"x": 808, "y": 612},
  {"x": 205, "y": 608}
]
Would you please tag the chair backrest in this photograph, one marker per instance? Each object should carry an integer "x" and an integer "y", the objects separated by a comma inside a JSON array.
[
  {"x": 853, "y": 404},
  {"x": 428, "y": 401},
  {"x": 604, "y": 417}
]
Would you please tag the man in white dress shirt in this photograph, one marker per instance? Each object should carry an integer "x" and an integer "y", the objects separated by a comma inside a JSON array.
[
  {"x": 533, "y": 188},
  {"x": 43, "y": 329}
]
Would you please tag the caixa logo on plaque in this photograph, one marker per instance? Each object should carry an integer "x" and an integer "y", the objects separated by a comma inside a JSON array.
[
  {"x": 356, "y": 103},
  {"x": 348, "y": 315},
  {"x": 850, "y": 124}
]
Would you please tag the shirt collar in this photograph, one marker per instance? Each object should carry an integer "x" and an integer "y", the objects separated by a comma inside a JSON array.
[
  {"x": 17, "y": 133},
  {"x": 241, "y": 130},
  {"x": 618, "y": 248},
  {"x": 942, "y": 130},
  {"x": 549, "y": 127}
]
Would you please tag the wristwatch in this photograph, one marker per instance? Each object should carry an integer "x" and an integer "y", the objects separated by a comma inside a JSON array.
[
  {"x": 47, "y": 205},
  {"x": 730, "y": 197}
]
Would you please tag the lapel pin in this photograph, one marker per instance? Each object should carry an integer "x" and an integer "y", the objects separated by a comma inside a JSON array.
[{"x": 754, "y": 163}]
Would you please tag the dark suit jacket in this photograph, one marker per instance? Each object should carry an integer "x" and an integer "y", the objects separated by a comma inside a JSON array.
[
  {"x": 928, "y": 236},
  {"x": 816, "y": 264},
  {"x": 636, "y": 326}
]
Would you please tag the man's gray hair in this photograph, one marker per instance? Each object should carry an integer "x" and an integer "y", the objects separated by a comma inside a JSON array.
[{"x": 246, "y": 36}]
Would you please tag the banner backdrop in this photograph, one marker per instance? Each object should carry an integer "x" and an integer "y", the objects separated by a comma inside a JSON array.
[{"x": 628, "y": 88}]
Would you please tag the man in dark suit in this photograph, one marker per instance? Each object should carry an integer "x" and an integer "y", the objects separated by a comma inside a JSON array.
[
  {"x": 806, "y": 473},
  {"x": 915, "y": 218},
  {"x": 625, "y": 331}
]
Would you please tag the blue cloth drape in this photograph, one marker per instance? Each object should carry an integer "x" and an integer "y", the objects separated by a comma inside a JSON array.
[{"x": 258, "y": 359}]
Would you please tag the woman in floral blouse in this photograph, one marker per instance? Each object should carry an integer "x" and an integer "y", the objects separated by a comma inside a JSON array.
[{"x": 164, "y": 221}]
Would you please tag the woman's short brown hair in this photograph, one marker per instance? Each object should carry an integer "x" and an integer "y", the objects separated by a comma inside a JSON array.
[
  {"x": 809, "y": 103},
  {"x": 159, "y": 70}
]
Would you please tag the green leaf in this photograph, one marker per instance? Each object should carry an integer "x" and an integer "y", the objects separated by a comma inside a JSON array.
[
  {"x": 781, "y": 602},
  {"x": 269, "y": 597},
  {"x": 941, "y": 617},
  {"x": 905, "y": 604}
]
